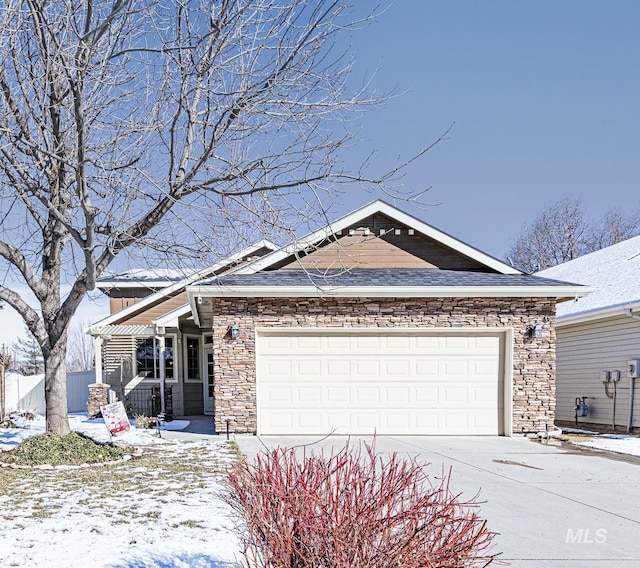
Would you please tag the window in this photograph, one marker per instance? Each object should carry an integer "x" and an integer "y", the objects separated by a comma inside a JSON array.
[
  {"x": 148, "y": 358},
  {"x": 192, "y": 358}
]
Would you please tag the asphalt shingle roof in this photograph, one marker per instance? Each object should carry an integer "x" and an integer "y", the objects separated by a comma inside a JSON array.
[{"x": 380, "y": 277}]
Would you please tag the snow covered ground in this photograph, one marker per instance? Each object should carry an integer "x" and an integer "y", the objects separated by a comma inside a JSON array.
[
  {"x": 618, "y": 443},
  {"x": 162, "y": 510}
]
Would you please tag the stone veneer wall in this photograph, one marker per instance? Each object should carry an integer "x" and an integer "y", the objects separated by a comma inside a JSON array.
[{"x": 533, "y": 359}]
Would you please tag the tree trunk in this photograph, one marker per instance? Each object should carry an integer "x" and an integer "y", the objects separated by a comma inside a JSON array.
[{"x": 55, "y": 389}]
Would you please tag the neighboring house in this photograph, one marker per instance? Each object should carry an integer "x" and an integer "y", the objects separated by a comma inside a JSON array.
[
  {"x": 377, "y": 322},
  {"x": 599, "y": 336}
]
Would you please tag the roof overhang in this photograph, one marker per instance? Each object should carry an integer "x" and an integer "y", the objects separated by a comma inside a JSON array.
[
  {"x": 559, "y": 292},
  {"x": 598, "y": 314}
]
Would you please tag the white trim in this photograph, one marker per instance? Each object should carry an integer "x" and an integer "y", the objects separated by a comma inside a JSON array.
[
  {"x": 596, "y": 314},
  {"x": 509, "y": 346},
  {"x": 507, "y": 334},
  {"x": 153, "y": 380},
  {"x": 208, "y": 411},
  {"x": 185, "y": 374},
  {"x": 170, "y": 319},
  {"x": 165, "y": 292},
  {"x": 387, "y": 291},
  {"x": 366, "y": 211}
]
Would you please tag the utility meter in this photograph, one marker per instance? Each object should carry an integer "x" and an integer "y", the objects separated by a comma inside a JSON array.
[{"x": 633, "y": 368}]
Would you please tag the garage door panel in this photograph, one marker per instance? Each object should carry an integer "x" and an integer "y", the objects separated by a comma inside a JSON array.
[
  {"x": 427, "y": 394},
  {"x": 279, "y": 395},
  {"x": 308, "y": 395},
  {"x": 401, "y": 368},
  {"x": 369, "y": 395},
  {"x": 455, "y": 396},
  {"x": 388, "y": 382},
  {"x": 396, "y": 394},
  {"x": 484, "y": 395},
  {"x": 427, "y": 343},
  {"x": 338, "y": 367},
  {"x": 427, "y": 368},
  {"x": 309, "y": 367},
  {"x": 338, "y": 395},
  {"x": 365, "y": 369},
  {"x": 282, "y": 367},
  {"x": 398, "y": 342}
]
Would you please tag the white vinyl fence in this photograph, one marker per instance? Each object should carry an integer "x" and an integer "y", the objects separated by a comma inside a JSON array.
[{"x": 27, "y": 393}]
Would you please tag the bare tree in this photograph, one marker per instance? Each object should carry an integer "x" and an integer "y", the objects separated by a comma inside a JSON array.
[
  {"x": 562, "y": 232},
  {"x": 140, "y": 124},
  {"x": 80, "y": 350}
]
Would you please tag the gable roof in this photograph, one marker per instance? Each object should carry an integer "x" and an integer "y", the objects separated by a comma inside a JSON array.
[
  {"x": 615, "y": 273},
  {"x": 178, "y": 286},
  {"x": 300, "y": 245}
]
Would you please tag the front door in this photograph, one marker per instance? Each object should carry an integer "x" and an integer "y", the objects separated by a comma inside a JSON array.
[{"x": 209, "y": 398}]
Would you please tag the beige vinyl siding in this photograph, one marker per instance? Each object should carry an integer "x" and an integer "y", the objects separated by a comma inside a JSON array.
[
  {"x": 417, "y": 251},
  {"x": 359, "y": 250},
  {"x": 152, "y": 313},
  {"x": 585, "y": 350}
]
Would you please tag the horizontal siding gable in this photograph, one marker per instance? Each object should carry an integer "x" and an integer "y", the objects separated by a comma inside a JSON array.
[
  {"x": 379, "y": 242},
  {"x": 153, "y": 312}
]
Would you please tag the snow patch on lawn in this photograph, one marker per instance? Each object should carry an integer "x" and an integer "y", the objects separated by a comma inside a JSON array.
[
  {"x": 123, "y": 516},
  {"x": 621, "y": 445},
  {"x": 94, "y": 428}
]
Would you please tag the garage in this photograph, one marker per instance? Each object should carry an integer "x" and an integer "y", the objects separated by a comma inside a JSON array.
[{"x": 361, "y": 381}]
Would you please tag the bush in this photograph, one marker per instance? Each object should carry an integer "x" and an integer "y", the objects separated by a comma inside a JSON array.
[
  {"x": 71, "y": 449},
  {"x": 352, "y": 509}
]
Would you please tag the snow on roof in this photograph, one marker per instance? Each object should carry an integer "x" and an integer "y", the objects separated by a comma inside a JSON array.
[
  {"x": 614, "y": 271},
  {"x": 163, "y": 275}
]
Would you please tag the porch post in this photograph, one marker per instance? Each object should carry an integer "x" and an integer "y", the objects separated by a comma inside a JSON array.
[
  {"x": 97, "y": 349},
  {"x": 161, "y": 355}
]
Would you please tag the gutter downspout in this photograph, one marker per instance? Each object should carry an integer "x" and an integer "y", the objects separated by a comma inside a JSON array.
[{"x": 632, "y": 382}]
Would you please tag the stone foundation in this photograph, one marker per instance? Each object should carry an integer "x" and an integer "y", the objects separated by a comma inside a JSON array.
[
  {"x": 98, "y": 396},
  {"x": 533, "y": 359}
]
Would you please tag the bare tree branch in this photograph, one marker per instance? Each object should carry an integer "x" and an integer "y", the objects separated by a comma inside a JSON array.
[
  {"x": 562, "y": 232},
  {"x": 165, "y": 127}
]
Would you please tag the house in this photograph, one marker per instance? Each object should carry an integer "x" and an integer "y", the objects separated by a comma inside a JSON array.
[
  {"x": 598, "y": 337},
  {"x": 149, "y": 313},
  {"x": 376, "y": 322}
]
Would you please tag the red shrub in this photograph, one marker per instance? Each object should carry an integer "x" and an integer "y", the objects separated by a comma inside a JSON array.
[{"x": 352, "y": 510}]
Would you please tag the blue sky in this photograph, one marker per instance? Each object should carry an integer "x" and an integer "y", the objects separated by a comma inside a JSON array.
[{"x": 545, "y": 97}]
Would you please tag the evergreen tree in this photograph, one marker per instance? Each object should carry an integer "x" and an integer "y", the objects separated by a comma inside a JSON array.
[{"x": 28, "y": 355}]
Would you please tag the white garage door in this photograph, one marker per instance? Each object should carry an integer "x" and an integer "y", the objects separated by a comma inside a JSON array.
[{"x": 361, "y": 382}]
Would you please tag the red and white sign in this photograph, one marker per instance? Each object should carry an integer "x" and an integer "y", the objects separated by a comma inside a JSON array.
[{"x": 115, "y": 417}]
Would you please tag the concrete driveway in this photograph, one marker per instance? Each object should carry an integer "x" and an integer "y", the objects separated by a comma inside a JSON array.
[{"x": 553, "y": 507}]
